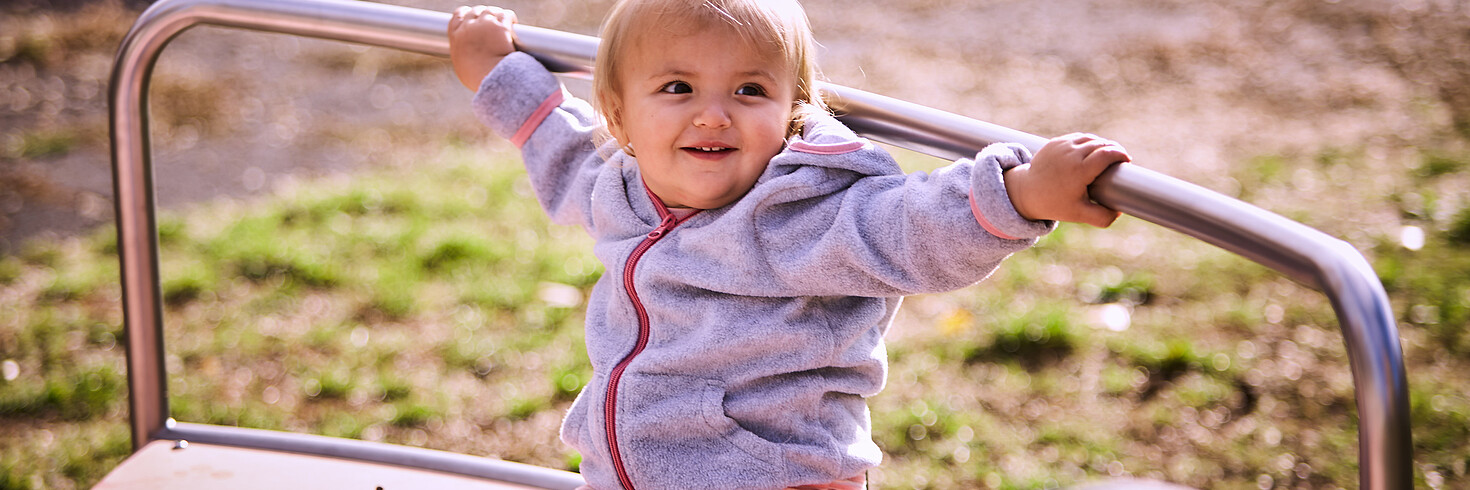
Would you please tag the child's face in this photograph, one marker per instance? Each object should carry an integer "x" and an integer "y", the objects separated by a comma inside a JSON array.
[{"x": 704, "y": 112}]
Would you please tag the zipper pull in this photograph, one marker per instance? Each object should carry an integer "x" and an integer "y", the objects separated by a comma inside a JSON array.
[{"x": 663, "y": 227}]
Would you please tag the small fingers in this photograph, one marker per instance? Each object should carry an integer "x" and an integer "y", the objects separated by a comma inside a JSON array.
[
  {"x": 1087, "y": 139},
  {"x": 502, "y": 15},
  {"x": 1107, "y": 155},
  {"x": 1080, "y": 138},
  {"x": 1097, "y": 215},
  {"x": 1083, "y": 143},
  {"x": 465, "y": 15},
  {"x": 1099, "y": 153},
  {"x": 469, "y": 15},
  {"x": 458, "y": 17}
]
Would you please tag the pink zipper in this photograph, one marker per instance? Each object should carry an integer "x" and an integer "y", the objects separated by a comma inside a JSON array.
[{"x": 667, "y": 223}]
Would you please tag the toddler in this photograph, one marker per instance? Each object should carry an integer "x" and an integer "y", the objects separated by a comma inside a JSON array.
[{"x": 756, "y": 250}]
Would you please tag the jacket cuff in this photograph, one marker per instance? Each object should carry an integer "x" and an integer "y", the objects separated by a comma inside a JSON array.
[
  {"x": 513, "y": 97},
  {"x": 989, "y": 200}
]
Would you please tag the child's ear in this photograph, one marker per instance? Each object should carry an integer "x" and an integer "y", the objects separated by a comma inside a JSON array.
[{"x": 614, "y": 119}]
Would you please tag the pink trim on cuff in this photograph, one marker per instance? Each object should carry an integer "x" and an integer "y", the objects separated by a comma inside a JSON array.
[
  {"x": 980, "y": 218},
  {"x": 533, "y": 122},
  {"x": 829, "y": 149}
]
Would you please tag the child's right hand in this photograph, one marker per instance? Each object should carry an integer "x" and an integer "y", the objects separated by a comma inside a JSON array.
[{"x": 479, "y": 37}]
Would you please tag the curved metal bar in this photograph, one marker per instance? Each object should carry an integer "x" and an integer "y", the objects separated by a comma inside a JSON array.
[
  {"x": 1306, "y": 255},
  {"x": 1301, "y": 253},
  {"x": 374, "y": 452}
]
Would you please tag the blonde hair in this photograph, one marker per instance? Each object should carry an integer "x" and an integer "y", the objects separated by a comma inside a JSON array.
[{"x": 780, "y": 24}]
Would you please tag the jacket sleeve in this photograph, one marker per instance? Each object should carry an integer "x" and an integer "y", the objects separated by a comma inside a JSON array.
[
  {"x": 901, "y": 234},
  {"x": 523, "y": 102}
]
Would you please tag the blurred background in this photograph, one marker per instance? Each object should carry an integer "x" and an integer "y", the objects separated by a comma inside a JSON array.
[{"x": 346, "y": 251}]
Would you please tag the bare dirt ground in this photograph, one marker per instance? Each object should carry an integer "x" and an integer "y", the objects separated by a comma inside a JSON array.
[{"x": 1192, "y": 88}]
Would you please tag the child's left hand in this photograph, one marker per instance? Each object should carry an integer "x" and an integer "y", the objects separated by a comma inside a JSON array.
[{"x": 1054, "y": 185}]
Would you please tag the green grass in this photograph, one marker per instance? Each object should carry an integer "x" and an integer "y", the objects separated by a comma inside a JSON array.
[
  {"x": 42, "y": 144},
  {"x": 410, "y": 306},
  {"x": 1459, "y": 230}
]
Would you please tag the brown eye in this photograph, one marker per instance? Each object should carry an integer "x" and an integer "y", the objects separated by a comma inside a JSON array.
[
  {"x": 751, "y": 91},
  {"x": 676, "y": 88}
]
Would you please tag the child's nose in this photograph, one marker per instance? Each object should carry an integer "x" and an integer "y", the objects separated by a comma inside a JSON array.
[{"x": 712, "y": 114}]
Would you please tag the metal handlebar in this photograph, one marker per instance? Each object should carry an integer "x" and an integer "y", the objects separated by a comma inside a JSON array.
[{"x": 1306, "y": 255}]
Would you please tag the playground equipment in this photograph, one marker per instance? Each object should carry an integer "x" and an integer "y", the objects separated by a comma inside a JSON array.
[{"x": 166, "y": 450}]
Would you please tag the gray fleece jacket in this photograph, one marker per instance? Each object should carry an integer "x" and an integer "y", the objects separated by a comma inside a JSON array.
[{"x": 735, "y": 348}]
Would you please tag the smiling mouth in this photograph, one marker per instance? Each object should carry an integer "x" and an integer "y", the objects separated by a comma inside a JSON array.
[{"x": 709, "y": 149}]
